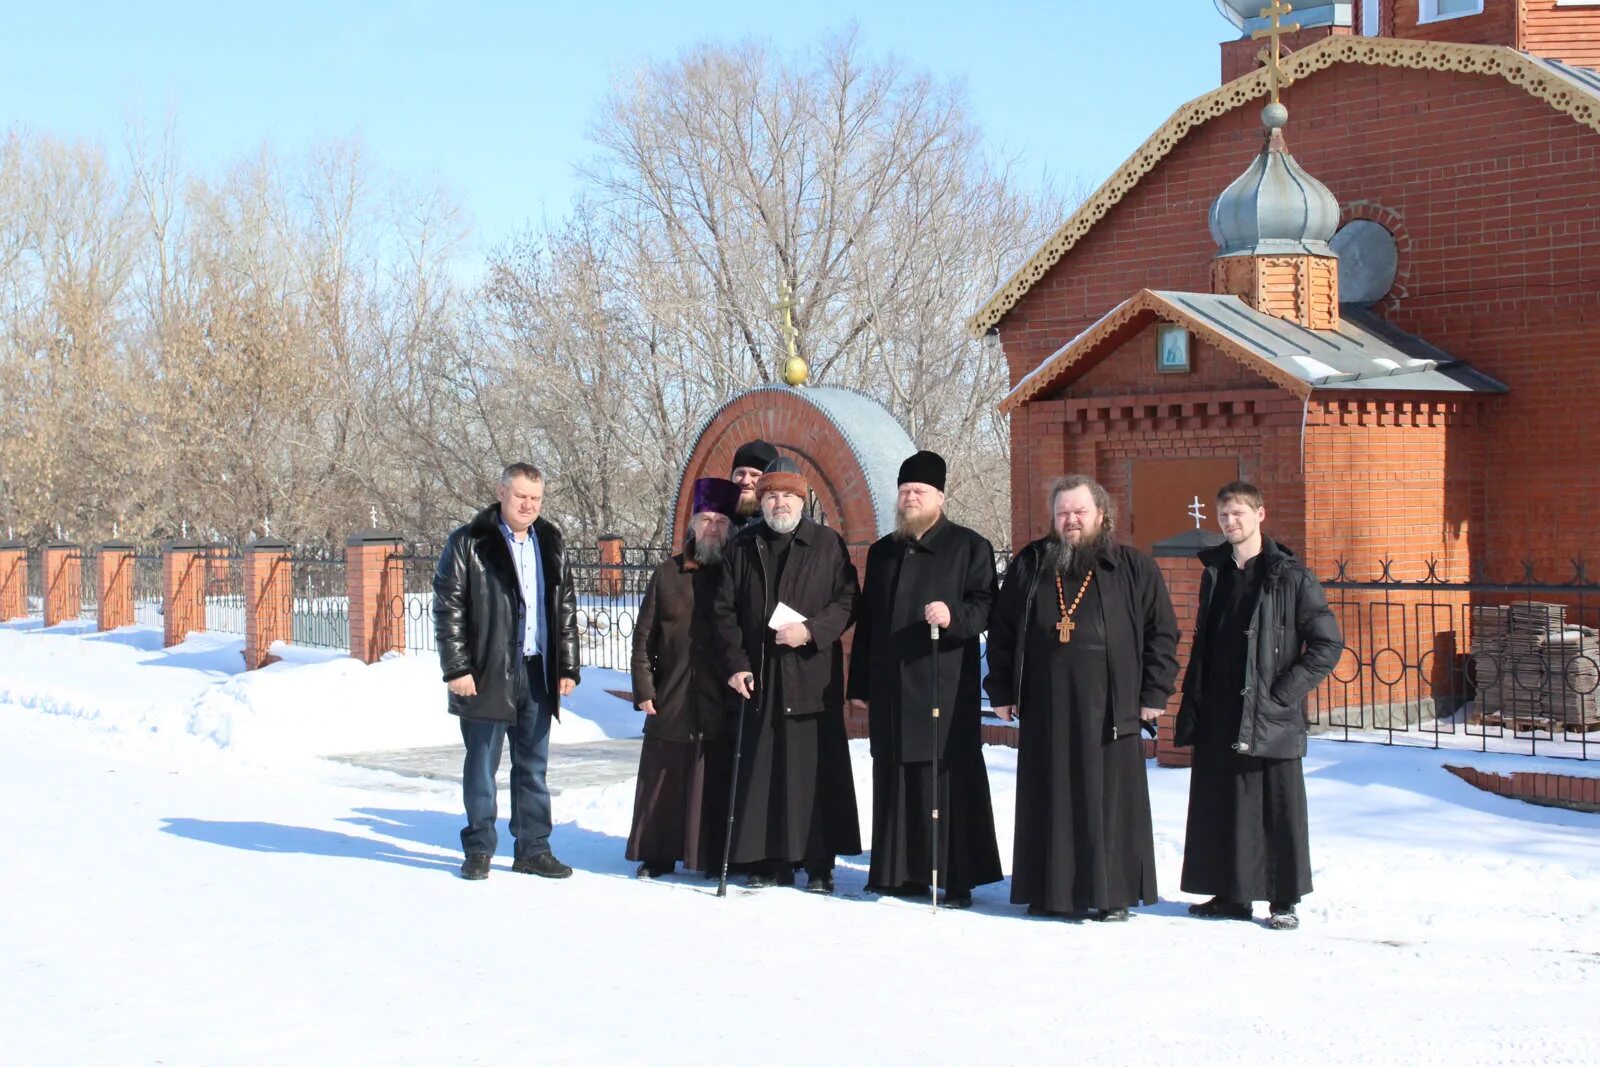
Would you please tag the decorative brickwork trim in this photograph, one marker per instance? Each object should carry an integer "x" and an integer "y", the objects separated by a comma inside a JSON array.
[{"x": 1523, "y": 71}]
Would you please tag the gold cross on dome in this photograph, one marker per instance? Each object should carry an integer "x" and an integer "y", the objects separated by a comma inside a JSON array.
[
  {"x": 1273, "y": 57},
  {"x": 786, "y": 304}
]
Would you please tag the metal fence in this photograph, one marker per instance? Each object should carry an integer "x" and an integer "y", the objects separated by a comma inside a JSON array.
[
  {"x": 224, "y": 584},
  {"x": 88, "y": 561},
  {"x": 319, "y": 609},
  {"x": 147, "y": 587},
  {"x": 1479, "y": 664}
]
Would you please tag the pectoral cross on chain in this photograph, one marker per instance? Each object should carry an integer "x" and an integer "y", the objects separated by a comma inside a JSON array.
[{"x": 1064, "y": 630}]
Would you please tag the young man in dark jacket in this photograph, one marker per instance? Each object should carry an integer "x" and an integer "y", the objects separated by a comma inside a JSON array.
[
  {"x": 1264, "y": 638},
  {"x": 505, "y": 620}
]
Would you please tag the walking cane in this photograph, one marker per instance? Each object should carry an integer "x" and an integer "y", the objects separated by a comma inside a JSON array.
[
  {"x": 733, "y": 796},
  {"x": 933, "y": 634}
]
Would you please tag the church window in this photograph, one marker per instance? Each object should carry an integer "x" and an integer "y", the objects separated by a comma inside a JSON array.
[{"x": 1435, "y": 10}]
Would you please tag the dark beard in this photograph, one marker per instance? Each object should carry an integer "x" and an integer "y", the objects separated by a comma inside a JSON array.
[{"x": 1075, "y": 561}]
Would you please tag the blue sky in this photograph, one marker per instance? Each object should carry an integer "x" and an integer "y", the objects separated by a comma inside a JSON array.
[{"x": 495, "y": 99}]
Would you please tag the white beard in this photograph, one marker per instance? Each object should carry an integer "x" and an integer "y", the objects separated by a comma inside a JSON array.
[{"x": 784, "y": 526}]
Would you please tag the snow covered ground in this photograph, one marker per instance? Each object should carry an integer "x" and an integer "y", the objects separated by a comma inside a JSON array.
[{"x": 187, "y": 882}]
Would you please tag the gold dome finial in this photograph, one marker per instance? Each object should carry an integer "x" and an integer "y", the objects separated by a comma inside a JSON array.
[{"x": 795, "y": 369}]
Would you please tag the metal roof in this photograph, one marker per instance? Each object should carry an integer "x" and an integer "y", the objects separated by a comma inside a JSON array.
[
  {"x": 880, "y": 443},
  {"x": 1365, "y": 352}
]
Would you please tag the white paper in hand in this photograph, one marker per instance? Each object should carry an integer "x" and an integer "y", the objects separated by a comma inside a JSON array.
[{"x": 783, "y": 615}]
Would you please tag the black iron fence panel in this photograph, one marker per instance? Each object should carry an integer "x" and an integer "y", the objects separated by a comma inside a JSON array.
[
  {"x": 412, "y": 607},
  {"x": 88, "y": 569},
  {"x": 35, "y": 582},
  {"x": 319, "y": 609},
  {"x": 147, "y": 587},
  {"x": 224, "y": 590},
  {"x": 1490, "y": 666}
]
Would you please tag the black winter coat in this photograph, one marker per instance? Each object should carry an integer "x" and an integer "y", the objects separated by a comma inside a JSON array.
[
  {"x": 891, "y": 657},
  {"x": 819, "y": 582},
  {"x": 675, "y": 659},
  {"x": 1301, "y": 647},
  {"x": 477, "y": 605},
  {"x": 1141, "y": 632}
]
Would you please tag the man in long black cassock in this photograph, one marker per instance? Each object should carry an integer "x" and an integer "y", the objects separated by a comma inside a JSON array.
[
  {"x": 1264, "y": 638},
  {"x": 929, "y": 572},
  {"x": 1082, "y": 650},
  {"x": 680, "y": 803},
  {"x": 787, "y": 595}
]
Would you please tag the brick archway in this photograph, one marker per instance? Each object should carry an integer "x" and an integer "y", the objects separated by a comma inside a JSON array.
[{"x": 847, "y": 444}]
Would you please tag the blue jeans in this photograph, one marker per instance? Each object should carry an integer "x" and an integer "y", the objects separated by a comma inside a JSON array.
[{"x": 530, "y": 755}]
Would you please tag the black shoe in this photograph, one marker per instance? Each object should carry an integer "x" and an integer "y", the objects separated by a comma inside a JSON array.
[
  {"x": 819, "y": 882},
  {"x": 1217, "y": 908},
  {"x": 1113, "y": 915},
  {"x": 654, "y": 870},
  {"x": 544, "y": 864},
  {"x": 1283, "y": 918},
  {"x": 957, "y": 901},
  {"x": 1039, "y": 911},
  {"x": 475, "y": 868},
  {"x": 769, "y": 875},
  {"x": 903, "y": 891}
]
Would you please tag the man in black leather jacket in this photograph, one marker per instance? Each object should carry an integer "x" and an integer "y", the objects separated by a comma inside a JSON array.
[
  {"x": 1264, "y": 638},
  {"x": 505, "y": 621}
]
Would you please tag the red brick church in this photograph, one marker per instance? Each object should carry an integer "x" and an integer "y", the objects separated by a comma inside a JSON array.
[
  {"x": 1402, "y": 366},
  {"x": 1382, "y": 304}
]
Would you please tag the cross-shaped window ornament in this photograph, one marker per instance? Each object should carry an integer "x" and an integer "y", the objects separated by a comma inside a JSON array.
[{"x": 1197, "y": 512}]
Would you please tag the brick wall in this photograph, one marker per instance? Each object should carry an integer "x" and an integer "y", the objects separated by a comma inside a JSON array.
[
  {"x": 1496, "y": 24},
  {"x": 1493, "y": 195},
  {"x": 1570, "y": 34}
]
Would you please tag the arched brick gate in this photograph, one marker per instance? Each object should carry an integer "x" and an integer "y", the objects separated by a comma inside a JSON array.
[{"x": 847, "y": 444}]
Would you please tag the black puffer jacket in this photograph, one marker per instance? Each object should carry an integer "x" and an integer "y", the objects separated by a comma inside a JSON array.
[
  {"x": 477, "y": 602},
  {"x": 1294, "y": 643}
]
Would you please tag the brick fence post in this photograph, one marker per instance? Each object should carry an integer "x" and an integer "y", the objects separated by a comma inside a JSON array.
[
  {"x": 375, "y": 582},
  {"x": 63, "y": 581},
  {"x": 13, "y": 580},
  {"x": 610, "y": 546},
  {"x": 268, "y": 599},
  {"x": 114, "y": 584},
  {"x": 1181, "y": 571},
  {"x": 183, "y": 590}
]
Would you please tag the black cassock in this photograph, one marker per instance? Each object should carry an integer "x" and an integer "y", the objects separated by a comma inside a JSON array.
[
  {"x": 795, "y": 800},
  {"x": 1247, "y": 835},
  {"x": 1083, "y": 831},
  {"x": 891, "y": 667}
]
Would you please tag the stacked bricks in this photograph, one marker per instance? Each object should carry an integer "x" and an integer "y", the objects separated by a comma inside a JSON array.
[
  {"x": 13, "y": 580},
  {"x": 63, "y": 581},
  {"x": 375, "y": 578},
  {"x": 183, "y": 590},
  {"x": 268, "y": 598},
  {"x": 114, "y": 584}
]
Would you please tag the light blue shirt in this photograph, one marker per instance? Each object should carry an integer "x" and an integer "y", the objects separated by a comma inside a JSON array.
[{"x": 525, "y": 558}]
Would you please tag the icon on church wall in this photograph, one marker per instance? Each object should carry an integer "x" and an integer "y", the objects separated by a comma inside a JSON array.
[{"x": 1172, "y": 349}]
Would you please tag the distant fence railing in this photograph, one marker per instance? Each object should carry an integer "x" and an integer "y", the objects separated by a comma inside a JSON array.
[{"x": 1510, "y": 666}]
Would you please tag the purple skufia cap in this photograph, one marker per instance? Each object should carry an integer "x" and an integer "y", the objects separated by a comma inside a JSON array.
[{"x": 716, "y": 494}]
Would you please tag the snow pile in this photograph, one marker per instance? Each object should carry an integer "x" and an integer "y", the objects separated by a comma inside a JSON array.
[{"x": 314, "y": 702}]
